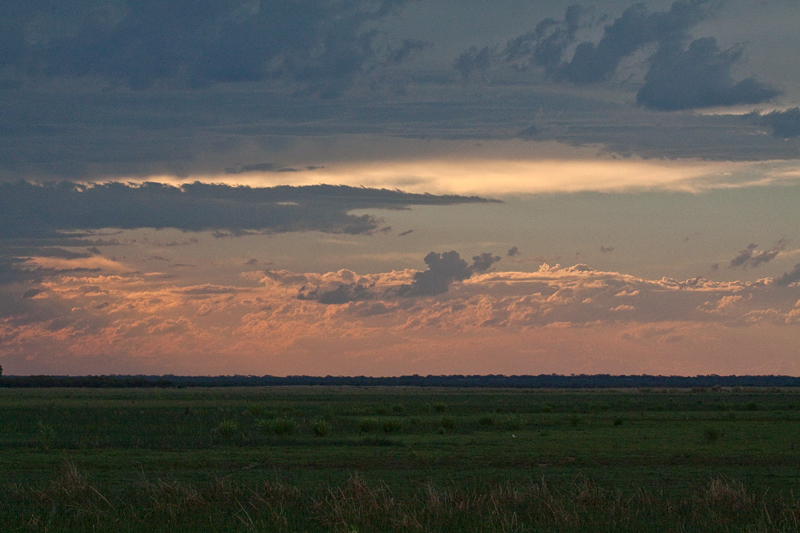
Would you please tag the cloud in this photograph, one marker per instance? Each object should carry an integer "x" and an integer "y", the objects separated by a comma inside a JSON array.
[
  {"x": 698, "y": 77},
  {"x": 750, "y": 258},
  {"x": 784, "y": 124},
  {"x": 483, "y": 262},
  {"x": 344, "y": 293},
  {"x": 114, "y": 318},
  {"x": 321, "y": 45},
  {"x": 790, "y": 277},
  {"x": 677, "y": 78},
  {"x": 407, "y": 232},
  {"x": 443, "y": 270},
  {"x": 29, "y": 210},
  {"x": 513, "y": 251},
  {"x": 549, "y": 43},
  {"x": 606, "y": 249},
  {"x": 472, "y": 60}
]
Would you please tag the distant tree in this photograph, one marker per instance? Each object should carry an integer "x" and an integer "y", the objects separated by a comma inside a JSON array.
[{"x": 1, "y": 370}]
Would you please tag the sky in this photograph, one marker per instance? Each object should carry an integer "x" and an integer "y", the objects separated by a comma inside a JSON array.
[{"x": 396, "y": 187}]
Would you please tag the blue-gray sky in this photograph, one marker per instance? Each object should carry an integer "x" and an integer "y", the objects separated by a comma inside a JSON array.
[{"x": 388, "y": 187}]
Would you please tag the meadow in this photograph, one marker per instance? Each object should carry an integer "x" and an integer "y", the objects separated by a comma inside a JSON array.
[{"x": 399, "y": 459}]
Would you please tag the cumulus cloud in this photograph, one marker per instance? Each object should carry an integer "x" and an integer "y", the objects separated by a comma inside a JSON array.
[
  {"x": 751, "y": 258},
  {"x": 94, "y": 314},
  {"x": 344, "y": 293},
  {"x": 513, "y": 251},
  {"x": 444, "y": 269},
  {"x": 678, "y": 78},
  {"x": 549, "y": 43},
  {"x": 793, "y": 276},
  {"x": 698, "y": 77}
]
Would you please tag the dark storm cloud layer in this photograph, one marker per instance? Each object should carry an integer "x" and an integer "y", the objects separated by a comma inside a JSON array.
[
  {"x": 321, "y": 45},
  {"x": 28, "y": 210},
  {"x": 227, "y": 87}
]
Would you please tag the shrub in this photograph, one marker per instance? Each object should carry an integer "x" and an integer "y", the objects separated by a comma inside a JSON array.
[
  {"x": 256, "y": 410},
  {"x": 448, "y": 423},
  {"x": 320, "y": 428},
  {"x": 618, "y": 421},
  {"x": 367, "y": 425},
  {"x": 512, "y": 422},
  {"x": 227, "y": 428},
  {"x": 711, "y": 434},
  {"x": 547, "y": 408},
  {"x": 486, "y": 420},
  {"x": 283, "y": 426},
  {"x": 440, "y": 407},
  {"x": 574, "y": 420},
  {"x": 45, "y": 435},
  {"x": 398, "y": 409},
  {"x": 392, "y": 426}
]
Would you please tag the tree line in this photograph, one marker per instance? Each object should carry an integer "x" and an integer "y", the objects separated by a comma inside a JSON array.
[{"x": 542, "y": 381}]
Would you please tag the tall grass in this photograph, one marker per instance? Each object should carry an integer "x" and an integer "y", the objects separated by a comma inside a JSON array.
[{"x": 70, "y": 502}]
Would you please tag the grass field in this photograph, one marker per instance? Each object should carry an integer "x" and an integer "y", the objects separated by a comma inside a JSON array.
[{"x": 405, "y": 459}]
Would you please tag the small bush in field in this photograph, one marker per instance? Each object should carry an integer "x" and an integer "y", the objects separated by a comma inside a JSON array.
[
  {"x": 392, "y": 426},
  {"x": 320, "y": 428},
  {"x": 283, "y": 426},
  {"x": 448, "y": 423},
  {"x": 486, "y": 420},
  {"x": 711, "y": 434},
  {"x": 574, "y": 420},
  {"x": 227, "y": 428},
  {"x": 367, "y": 425},
  {"x": 512, "y": 422},
  {"x": 618, "y": 421},
  {"x": 440, "y": 407}
]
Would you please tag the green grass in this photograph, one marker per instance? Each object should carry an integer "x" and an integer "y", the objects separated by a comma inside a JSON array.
[{"x": 373, "y": 459}]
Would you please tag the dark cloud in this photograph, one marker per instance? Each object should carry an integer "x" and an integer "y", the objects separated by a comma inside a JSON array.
[
  {"x": 407, "y": 232},
  {"x": 698, "y": 77},
  {"x": 790, "y": 277},
  {"x": 265, "y": 167},
  {"x": 749, "y": 257},
  {"x": 406, "y": 50},
  {"x": 322, "y": 45},
  {"x": 606, "y": 249},
  {"x": 784, "y": 124},
  {"x": 29, "y": 210},
  {"x": 513, "y": 251},
  {"x": 678, "y": 78},
  {"x": 444, "y": 269},
  {"x": 474, "y": 59},
  {"x": 483, "y": 262},
  {"x": 548, "y": 44},
  {"x": 544, "y": 46}
]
